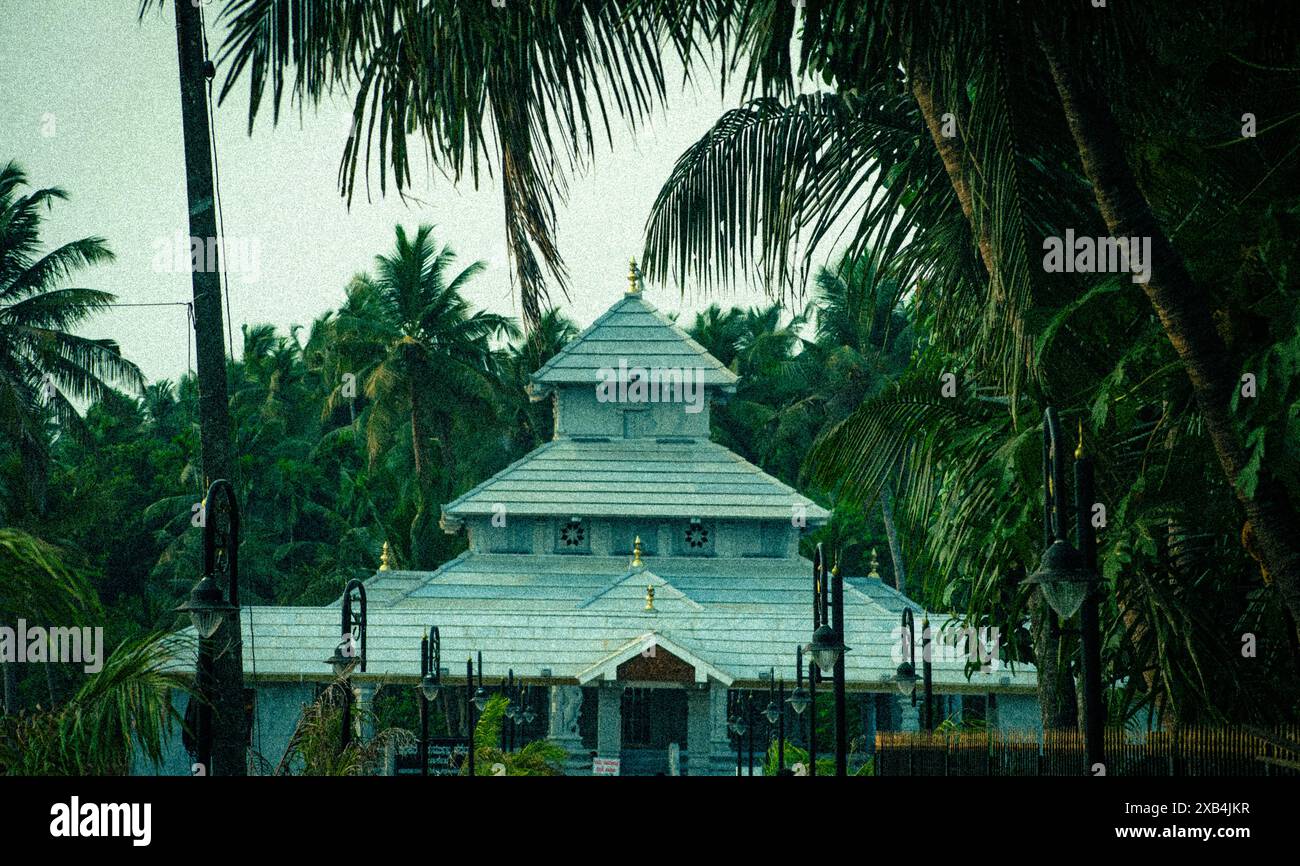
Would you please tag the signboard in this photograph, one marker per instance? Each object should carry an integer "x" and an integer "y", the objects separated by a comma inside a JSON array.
[
  {"x": 446, "y": 756},
  {"x": 605, "y": 766}
]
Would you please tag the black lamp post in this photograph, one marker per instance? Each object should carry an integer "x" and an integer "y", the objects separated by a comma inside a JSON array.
[
  {"x": 927, "y": 716},
  {"x": 529, "y": 714},
  {"x": 512, "y": 709},
  {"x": 346, "y": 657},
  {"x": 799, "y": 698},
  {"x": 1068, "y": 576},
  {"x": 775, "y": 714},
  {"x": 480, "y": 695},
  {"x": 470, "y": 705},
  {"x": 749, "y": 724},
  {"x": 905, "y": 677},
  {"x": 736, "y": 724},
  {"x": 430, "y": 684},
  {"x": 828, "y": 649},
  {"x": 208, "y": 605}
]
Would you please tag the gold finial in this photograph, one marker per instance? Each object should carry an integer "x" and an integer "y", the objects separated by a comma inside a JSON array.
[
  {"x": 875, "y": 564},
  {"x": 633, "y": 278},
  {"x": 649, "y": 597},
  {"x": 1078, "y": 451},
  {"x": 636, "y": 553},
  {"x": 385, "y": 563},
  {"x": 835, "y": 569}
]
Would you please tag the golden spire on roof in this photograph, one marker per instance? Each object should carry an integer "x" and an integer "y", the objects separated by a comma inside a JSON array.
[
  {"x": 633, "y": 278},
  {"x": 636, "y": 552},
  {"x": 649, "y": 597},
  {"x": 385, "y": 563},
  {"x": 875, "y": 564}
]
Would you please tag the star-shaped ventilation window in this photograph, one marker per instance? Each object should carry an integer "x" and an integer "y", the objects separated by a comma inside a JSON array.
[{"x": 572, "y": 534}]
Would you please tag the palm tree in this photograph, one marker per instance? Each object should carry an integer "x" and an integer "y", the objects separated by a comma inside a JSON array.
[
  {"x": 533, "y": 422},
  {"x": 1010, "y": 105},
  {"x": 35, "y": 583},
  {"x": 423, "y": 358},
  {"x": 43, "y": 365},
  {"x": 866, "y": 341},
  {"x": 524, "y": 87},
  {"x": 718, "y": 332},
  {"x": 120, "y": 712}
]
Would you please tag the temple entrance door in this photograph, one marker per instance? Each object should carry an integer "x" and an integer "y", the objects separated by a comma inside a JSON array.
[
  {"x": 654, "y": 719},
  {"x": 654, "y": 711}
]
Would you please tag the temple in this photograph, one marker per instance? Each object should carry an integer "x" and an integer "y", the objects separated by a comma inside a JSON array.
[{"x": 633, "y": 573}]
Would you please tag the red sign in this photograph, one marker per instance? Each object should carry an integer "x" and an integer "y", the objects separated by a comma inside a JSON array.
[{"x": 604, "y": 766}]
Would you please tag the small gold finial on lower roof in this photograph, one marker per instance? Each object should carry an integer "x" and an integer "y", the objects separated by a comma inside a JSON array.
[
  {"x": 385, "y": 562},
  {"x": 633, "y": 278},
  {"x": 875, "y": 565},
  {"x": 649, "y": 597}
]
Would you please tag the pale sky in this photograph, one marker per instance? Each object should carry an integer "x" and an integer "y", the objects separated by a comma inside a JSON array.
[{"x": 91, "y": 103}]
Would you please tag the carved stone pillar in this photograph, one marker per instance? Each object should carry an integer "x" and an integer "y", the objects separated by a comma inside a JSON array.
[
  {"x": 911, "y": 720},
  {"x": 566, "y": 706},
  {"x": 609, "y": 720},
  {"x": 699, "y": 730},
  {"x": 722, "y": 758}
]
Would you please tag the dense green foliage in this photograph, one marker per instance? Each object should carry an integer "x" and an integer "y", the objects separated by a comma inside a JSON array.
[{"x": 351, "y": 430}]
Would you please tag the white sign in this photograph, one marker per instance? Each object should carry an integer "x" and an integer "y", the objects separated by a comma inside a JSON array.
[{"x": 604, "y": 766}]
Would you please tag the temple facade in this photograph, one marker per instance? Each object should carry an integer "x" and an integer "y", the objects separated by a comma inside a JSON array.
[{"x": 633, "y": 573}]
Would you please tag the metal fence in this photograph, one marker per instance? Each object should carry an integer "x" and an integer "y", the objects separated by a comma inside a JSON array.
[{"x": 1185, "y": 752}]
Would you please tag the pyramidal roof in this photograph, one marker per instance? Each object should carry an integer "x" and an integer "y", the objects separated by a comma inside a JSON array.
[
  {"x": 634, "y": 478},
  {"x": 632, "y": 333}
]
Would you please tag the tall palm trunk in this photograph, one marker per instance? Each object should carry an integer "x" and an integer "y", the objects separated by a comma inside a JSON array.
[
  {"x": 1056, "y": 692},
  {"x": 229, "y": 738},
  {"x": 891, "y": 533},
  {"x": 1271, "y": 533},
  {"x": 952, "y": 152},
  {"x": 423, "y": 549},
  {"x": 1057, "y": 701}
]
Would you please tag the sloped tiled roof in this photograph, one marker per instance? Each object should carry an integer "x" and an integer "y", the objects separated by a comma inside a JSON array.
[
  {"x": 670, "y": 478},
  {"x": 567, "y": 613},
  {"x": 291, "y": 643},
  {"x": 635, "y": 333}
]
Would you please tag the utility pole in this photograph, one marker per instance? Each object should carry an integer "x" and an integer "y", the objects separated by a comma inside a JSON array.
[{"x": 229, "y": 736}]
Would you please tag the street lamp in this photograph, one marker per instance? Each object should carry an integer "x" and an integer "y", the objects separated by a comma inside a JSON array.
[
  {"x": 905, "y": 679},
  {"x": 905, "y": 676},
  {"x": 775, "y": 715},
  {"x": 828, "y": 649},
  {"x": 512, "y": 712},
  {"x": 1068, "y": 575},
  {"x": 470, "y": 704},
  {"x": 529, "y": 714},
  {"x": 1064, "y": 578},
  {"x": 430, "y": 684},
  {"x": 346, "y": 658},
  {"x": 927, "y": 677},
  {"x": 480, "y": 696},
  {"x": 799, "y": 698},
  {"x": 207, "y": 605}
]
